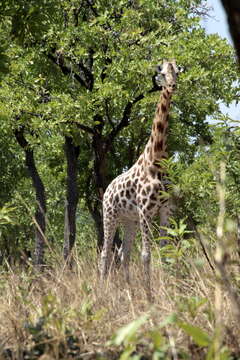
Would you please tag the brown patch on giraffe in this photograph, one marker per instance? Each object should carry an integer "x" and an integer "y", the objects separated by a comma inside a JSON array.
[
  {"x": 111, "y": 198},
  {"x": 134, "y": 202},
  {"x": 148, "y": 188},
  {"x": 117, "y": 198},
  {"x": 148, "y": 149},
  {"x": 159, "y": 176},
  {"x": 164, "y": 95},
  {"x": 153, "y": 197},
  {"x": 135, "y": 181},
  {"x": 151, "y": 138},
  {"x": 163, "y": 108},
  {"x": 124, "y": 203},
  {"x": 119, "y": 186},
  {"x": 150, "y": 206},
  {"x": 140, "y": 161},
  {"x": 144, "y": 192},
  {"x": 130, "y": 206},
  {"x": 163, "y": 201},
  {"x": 122, "y": 193},
  {"x": 157, "y": 165},
  {"x": 128, "y": 183},
  {"x": 139, "y": 187},
  {"x": 158, "y": 146},
  {"x": 143, "y": 177},
  {"x": 150, "y": 156},
  {"x": 128, "y": 194},
  {"x": 160, "y": 126},
  {"x": 157, "y": 186},
  {"x": 144, "y": 200},
  {"x": 152, "y": 173}
]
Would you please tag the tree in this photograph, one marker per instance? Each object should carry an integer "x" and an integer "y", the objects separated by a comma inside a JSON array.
[
  {"x": 86, "y": 70},
  {"x": 41, "y": 209},
  {"x": 72, "y": 197}
]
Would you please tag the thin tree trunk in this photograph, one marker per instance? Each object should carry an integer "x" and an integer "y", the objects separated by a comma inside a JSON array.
[
  {"x": 238, "y": 234},
  {"x": 97, "y": 217},
  {"x": 232, "y": 8},
  {"x": 101, "y": 181},
  {"x": 72, "y": 196},
  {"x": 41, "y": 209},
  {"x": 40, "y": 214}
]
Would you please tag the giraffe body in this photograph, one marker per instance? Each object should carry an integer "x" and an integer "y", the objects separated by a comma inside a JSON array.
[
  {"x": 132, "y": 192},
  {"x": 132, "y": 199}
]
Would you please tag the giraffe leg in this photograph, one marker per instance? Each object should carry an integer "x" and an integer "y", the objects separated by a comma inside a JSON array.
[
  {"x": 129, "y": 236},
  {"x": 109, "y": 225},
  {"x": 146, "y": 254}
]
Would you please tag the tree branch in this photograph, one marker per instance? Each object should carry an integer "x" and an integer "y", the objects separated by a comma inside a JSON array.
[
  {"x": 126, "y": 115},
  {"x": 19, "y": 134},
  {"x": 66, "y": 70},
  {"x": 84, "y": 128},
  {"x": 107, "y": 114},
  {"x": 86, "y": 74},
  {"x": 91, "y": 5}
]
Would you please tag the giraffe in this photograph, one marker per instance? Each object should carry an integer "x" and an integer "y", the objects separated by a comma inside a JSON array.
[{"x": 132, "y": 199}]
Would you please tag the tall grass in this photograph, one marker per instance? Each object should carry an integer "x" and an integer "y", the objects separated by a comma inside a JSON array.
[
  {"x": 70, "y": 314},
  {"x": 63, "y": 314}
]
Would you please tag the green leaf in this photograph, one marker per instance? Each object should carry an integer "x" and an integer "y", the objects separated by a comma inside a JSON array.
[
  {"x": 170, "y": 319},
  {"x": 126, "y": 334},
  {"x": 199, "y": 336},
  {"x": 157, "y": 339}
]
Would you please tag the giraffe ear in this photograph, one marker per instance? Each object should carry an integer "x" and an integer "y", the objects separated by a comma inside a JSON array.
[{"x": 181, "y": 69}]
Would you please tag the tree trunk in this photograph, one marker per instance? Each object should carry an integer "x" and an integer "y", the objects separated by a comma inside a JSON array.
[
  {"x": 97, "y": 217},
  {"x": 72, "y": 196},
  {"x": 238, "y": 234},
  {"x": 41, "y": 209},
  {"x": 232, "y": 8},
  {"x": 101, "y": 181},
  {"x": 40, "y": 214}
]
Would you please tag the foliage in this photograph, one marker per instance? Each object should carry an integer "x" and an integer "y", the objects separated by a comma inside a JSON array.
[
  {"x": 86, "y": 70},
  {"x": 66, "y": 64}
]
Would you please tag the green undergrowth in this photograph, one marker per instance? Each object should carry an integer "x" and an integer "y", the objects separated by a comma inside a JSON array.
[{"x": 62, "y": 314}]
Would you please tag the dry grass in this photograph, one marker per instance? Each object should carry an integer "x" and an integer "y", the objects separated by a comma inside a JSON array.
[{"x": 54, "y": 306}]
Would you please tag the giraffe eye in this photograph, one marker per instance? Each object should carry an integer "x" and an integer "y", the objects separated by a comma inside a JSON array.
[{"x": 159, "y": 68}]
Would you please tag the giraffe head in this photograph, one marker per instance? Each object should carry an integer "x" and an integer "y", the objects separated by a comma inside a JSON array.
[{"x": 167, "y": 75}]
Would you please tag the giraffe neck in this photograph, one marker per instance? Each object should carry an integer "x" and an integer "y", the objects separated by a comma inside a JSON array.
[{"x": 156, "y": 148}]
